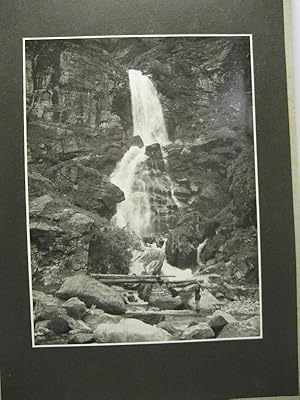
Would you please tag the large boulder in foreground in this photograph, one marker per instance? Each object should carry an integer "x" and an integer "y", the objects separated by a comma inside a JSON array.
[
  {"x": 129, "y": 331},
  {"x": 92, "y": 292}
]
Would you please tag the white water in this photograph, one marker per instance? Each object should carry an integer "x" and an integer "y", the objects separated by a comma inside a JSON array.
[
  {"x": 148, "y": 119},
  {"x": 148, "y": 122},
  {"x": 135, "y": 211},
  {"x": 199, "y": 251}
]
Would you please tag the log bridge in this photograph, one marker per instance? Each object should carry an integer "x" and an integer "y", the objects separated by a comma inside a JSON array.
[{"x": 138, "y": 279}]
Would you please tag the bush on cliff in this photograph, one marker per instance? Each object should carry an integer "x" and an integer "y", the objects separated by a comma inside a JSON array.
[{"x": 111, "y": 250}]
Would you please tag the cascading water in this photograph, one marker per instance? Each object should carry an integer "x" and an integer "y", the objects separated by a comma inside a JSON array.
[
  {"x": 148, "y": 123},
  {"x": 200, "y": 248},
  {"x": 148, "y": 119}
]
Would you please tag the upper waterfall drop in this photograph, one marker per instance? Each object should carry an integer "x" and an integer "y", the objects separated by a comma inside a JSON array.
[
  {"x": 148, "y": 118},
  {"x": 148, "y": 123}
]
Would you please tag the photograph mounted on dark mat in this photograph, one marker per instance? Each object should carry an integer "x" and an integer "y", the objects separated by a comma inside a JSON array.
[{"x": 142, "y": 191}]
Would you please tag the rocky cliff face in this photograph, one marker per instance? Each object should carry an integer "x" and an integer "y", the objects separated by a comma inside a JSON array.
[{"x": 79, "y": 127}]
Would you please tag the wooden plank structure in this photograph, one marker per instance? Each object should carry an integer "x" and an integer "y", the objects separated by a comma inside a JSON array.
[{"x": 137, "y": 279}]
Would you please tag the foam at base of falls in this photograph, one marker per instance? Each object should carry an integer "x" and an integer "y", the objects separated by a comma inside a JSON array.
[{"x": 179, "y": 274}]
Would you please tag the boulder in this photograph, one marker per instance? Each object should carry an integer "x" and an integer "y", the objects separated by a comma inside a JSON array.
[
  {"x": 75, "y": 308},
  {"x": 219, "y": 319},
  {"x": 208, "y": 302},
  {"x": 95, "y": 317},
  {"x": 254, "y": 322},
  {"x": 199, "y": 331},
  {"x": 46, "y": 307},
  {"x": 238, "y": 329},
  {"x": 38, "y": 205},
  {"x": 170, "y": 328},
  {"x": 180, "y": 252},
  {"x": 152, "y": 318},
  {"x": 166, "y": 302},
  {"x": 77, "y": 324},
  {"x": 58, "y": 325},
  {"x": 92, "y": 292},
  {"x": 80, "y": 337},
  {"x": 181, "y": 193},
  {"x": 153, "y": 151},
  {"x": 136, "y": 141},
  {"x": 81, "y": 223},
  {"x": 129, "y": 331},
  {"x": 41, "y": 297}
]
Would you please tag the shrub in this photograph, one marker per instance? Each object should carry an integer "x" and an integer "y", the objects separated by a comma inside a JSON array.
[{"x": 111, "y": 250}]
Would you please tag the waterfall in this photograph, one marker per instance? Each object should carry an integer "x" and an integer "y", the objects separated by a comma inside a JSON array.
[
  {"x": 148, "y": 119},
  {"x": 148, "y": 123}
]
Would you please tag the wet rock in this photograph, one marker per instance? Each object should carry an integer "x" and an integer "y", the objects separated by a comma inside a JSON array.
[
  {"x": 75, "y": 308},
  {"x": 128, "y": 331},
  {"x": 79, "y": 337},
  {"x": 254, "y": 322},
  {"x": 166, "y": 302},
  {"x": 219, "y": 319},
  {"x": 208, "y": 302},
  {"x": 136, "y": 141},
  {"x": 199, "y": 331},
  {"x": 92, "y": 292},
  {"x": 77, "y": 324},
  {"x": 81, "y": 223},
  {"x": 153, "y": 151},
  {"x": 238, "y": 329},
  {"x": 152, "y": 318},
  {"x": 170, "y": 328},
  {"x": 38, "y": 205},
  {"x": 182, "y": 193},
  {"x": 180, "y": 252},
  {"x": 58, "y": 325},
  {"x": 95, "y": 317},
  {"x": 46, "y": 307}
]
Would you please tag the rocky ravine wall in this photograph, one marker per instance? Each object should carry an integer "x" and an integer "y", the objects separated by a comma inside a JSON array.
[{"x": 79, "y": 126}]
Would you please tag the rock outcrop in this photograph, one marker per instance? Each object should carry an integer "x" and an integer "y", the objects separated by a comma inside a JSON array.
[{"x": 92, "y": 292}]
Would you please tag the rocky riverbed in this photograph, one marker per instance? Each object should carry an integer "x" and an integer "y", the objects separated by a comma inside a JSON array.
[{"x": 85, "y": 310}]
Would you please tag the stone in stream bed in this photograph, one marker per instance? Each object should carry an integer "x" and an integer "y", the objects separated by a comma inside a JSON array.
[
  {"x": 92, "y": 292},
  {"x": 58, "y": 325},
  {"x": 254, "y": 322},
  {"x": 80, "y": 337},
  {"x": 219, "y": 319},
  {"x": 95, "y": 317},
  {"x": 75, "y": 308},
  {"x": 208, "y": 303},
  {"x": 130, "y": 331},
  {"x": 166, "y": 302},
  {"x": 170, "y": 328},
  {"x": 199, "y": 331},
  {"x": 238, "y": 329},
  {"x": 152, "y": 318}
]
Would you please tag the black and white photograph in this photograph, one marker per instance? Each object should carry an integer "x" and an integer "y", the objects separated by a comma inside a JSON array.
[{"x": 143, "y": 219}]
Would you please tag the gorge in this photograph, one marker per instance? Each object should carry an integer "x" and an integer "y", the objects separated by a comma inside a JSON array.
[{"x": 141, "y": 164}]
